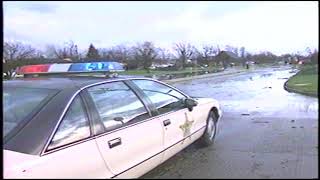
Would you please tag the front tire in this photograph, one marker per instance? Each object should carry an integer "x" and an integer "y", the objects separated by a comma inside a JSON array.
[{"x": 208, "y": 137}]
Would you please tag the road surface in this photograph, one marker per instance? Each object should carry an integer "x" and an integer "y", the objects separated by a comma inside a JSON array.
[{"x": 265, "y": 131}]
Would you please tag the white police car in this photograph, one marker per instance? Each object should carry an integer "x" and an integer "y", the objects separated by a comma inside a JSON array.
[{"x": 63, "y": 126}]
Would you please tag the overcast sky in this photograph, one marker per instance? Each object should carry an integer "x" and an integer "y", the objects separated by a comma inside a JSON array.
[{"x": 278, "y": 27}]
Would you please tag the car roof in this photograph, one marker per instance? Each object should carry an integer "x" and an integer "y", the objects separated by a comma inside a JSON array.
[{"x": 61, "y": 83}]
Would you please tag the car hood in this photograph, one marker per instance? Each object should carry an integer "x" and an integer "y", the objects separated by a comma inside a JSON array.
[
  {"x": 213, "y": 102},
  {"x": 204, "y": 100}
]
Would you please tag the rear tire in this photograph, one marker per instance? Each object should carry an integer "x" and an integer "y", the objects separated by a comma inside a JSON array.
[{"x": 208, "y": 137}]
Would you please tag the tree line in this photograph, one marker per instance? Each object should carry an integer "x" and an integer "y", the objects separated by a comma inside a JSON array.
[{"x": 139, "y": 56}]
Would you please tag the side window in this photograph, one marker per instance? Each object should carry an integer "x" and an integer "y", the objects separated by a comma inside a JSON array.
[
  {"x": 117, "y": 105},
  {"x": 163, "y": 97},
  {"x": 74, "y": 126}
]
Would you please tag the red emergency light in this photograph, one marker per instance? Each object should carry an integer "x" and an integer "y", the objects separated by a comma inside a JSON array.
[{"x": 34, "y": 69}]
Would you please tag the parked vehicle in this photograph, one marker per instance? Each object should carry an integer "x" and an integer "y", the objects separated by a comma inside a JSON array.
[{"x": 95, "y": 127}]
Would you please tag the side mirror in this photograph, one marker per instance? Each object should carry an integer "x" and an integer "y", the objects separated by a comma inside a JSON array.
[
  {"x": 190, "y": 103},
  {"x": 119, "y": 119}
]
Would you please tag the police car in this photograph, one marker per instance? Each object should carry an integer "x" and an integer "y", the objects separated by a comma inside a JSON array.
[{"x": 62, "y": 125}]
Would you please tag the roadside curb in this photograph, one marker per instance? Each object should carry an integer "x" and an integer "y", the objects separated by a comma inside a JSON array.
[
  {"x": 201, "y": 76},
  {"x": 291, "y": 90}
]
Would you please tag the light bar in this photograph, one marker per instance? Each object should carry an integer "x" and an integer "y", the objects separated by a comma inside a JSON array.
[
  {"x": 39, "y": 68},
  {"x": 71, "y": 68}
]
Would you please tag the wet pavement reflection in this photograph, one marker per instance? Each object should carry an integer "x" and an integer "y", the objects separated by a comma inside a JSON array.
[{"x": 260, "y": 91}]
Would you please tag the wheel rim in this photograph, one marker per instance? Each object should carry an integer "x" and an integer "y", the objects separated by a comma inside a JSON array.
[{"x": 211, "y": 127}]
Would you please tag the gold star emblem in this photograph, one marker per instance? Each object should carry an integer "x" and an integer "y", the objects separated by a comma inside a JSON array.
[{"x": 186, "y": 126}]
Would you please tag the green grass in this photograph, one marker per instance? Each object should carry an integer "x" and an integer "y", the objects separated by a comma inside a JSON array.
[{"x": 305, "y": 81}]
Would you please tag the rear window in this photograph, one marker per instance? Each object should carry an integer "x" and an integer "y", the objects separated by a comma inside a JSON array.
[{"x": 21, "y": 103}]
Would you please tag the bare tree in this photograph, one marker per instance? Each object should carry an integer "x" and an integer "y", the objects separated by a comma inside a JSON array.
[
  {"x": 51, "y": 51},
  {"x": 69, "y": 51},
  {"x": 124, "y": 53},
  {"x": 13, "y": 55},
  {"x": 308, "y": 51},
  {"x": 249, "y": 56},
  {"x": 184, "y": 52},
  {"x": 314, "y": 57},
  {"x": 242, "y": 55},
  {"x": 218, "y": 49},
  {"x": 119, "y": 53},
  {"x": 145, "y": 53},
  {"x": 265, "y": 57},
  {"x": 72, "y": 50},
  {"x": 232, "y": 49},
  {"x": 228, "y": 48},
  {"x": 242, "y": 52},
  {"x": 208, "y": 52},
  {"x": 235, "y": 51},
  {"x": 164, "y": 56},
  {"x": 17, "y": 51}
]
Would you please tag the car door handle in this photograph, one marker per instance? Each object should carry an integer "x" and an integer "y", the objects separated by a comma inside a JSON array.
[
  {"x": 166, "y": 122},
  {"x": 114, "y": 142}
]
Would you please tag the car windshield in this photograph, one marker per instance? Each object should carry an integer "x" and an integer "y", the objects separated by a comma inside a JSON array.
[{"x": 19, "y": 103}]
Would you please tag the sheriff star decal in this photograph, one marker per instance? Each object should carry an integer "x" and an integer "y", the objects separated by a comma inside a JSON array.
[{"x": 186, "y": 126}]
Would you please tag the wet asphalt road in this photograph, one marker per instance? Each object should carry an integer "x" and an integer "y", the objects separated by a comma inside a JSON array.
[{"x": 265, "y": 131}]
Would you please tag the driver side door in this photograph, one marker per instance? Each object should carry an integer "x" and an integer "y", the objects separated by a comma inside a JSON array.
[
  {"x": 177, "y": 121},
  {"x": 132, "y": 140}
]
